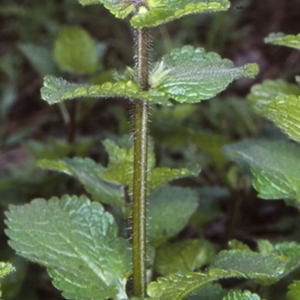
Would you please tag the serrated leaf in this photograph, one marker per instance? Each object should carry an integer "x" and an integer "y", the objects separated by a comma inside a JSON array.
[
  {"x": 241, "y": 295},
  {"x": 169, "y": 210},
  {"x": 161, "y": 11},
  {"x": 274, "y": 165},
  {"x": 179, "y": 285},
  {"x": 284, "y": 111},
  {"x": 190, "y": 75},
  {"x": 182, "y": 256},
  {"x": 263, "y": 268},
  {"x": 75, "y": 51},
  {"x": 87, "y": 172},
  {"x": 292, "y": 41},
  {"x": 56, "y": 90},
  {"x": 266, "y": 92},
  {"x": 156, "y": 12},
  {"x": 294, "y": 291},
  {"x": 78, "y": 243}
]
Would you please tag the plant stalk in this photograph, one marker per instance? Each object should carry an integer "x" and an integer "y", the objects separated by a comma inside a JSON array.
[{"x": 140, "y": 167}]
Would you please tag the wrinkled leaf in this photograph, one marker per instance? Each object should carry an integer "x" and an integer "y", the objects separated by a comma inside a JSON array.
[
  {"x": 292, "y": 41},
  {"x": 75, "y": 51},
  {"x": 266, "y": 92},
  {"x": 241, "y": 295},
  {"x": 5, "y": 268},
  {"x": 78, "y": 243},
  {"x": 211, "y": 291},
  {"x": 182, "y": 256},
  {"x": 156, "y": 12},
  {"x": 274, "y": 165},
  {"x": 294, "y": 291},
  {"x": 162, "y": 11},
  {"x": 169, "y": 210},
  {"x": 190, "y": 75},
  {"x": 263, "y": 268},
  {"x": 284, "y": 111},
  {"x": 56, "y": 90},
  {"x": 87, "y": 172},
  {"x": 180, "y": 285}
]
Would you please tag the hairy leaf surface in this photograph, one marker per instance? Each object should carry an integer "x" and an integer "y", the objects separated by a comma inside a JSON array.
[
  {"x": 56, "y": 90},
  {"x": 190, "y": 75},
  {"x": 289, "y": 40},
  {"x": 78, "y": 243},
  {"x": 274, "y": 165},
  {"x": 155, "y": 12}
]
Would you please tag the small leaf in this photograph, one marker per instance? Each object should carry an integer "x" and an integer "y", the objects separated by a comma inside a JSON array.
[
  {"x": 294, "y": 291},
  {"x": 191, "y": 75},
  {"x": 5, "y": 268},
  {"x": 78, "y": 243},
  {"x": 264, "y": 93},
  {"x": 182, "y": 256},
  {"x": 75, "y": 51},
  {"x": 160, "y": 176},
  {"x": 157, "y": 12},
  {"x": 87, "y": 172},
  {"x": 239, "y": 295},
  {"x": 292, "y": 41},
  {"x": 274, "y": 165},
  {"x": 56, "y": 90},
  {"x": 169, "y": 210}
]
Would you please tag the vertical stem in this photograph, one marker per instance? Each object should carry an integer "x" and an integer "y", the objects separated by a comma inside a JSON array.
[{"x": 140, "y": 167}]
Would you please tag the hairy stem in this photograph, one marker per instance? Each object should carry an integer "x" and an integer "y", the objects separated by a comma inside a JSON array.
[{"x": 140, "y": 167}]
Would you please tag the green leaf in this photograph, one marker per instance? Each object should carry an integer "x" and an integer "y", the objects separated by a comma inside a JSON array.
[
  {"x": 182, "y": 256},
  {"x": 264, "y": 93},
  {"x": 211, "y": 291},
  {"x": 169, "y": 210},
  {"x": 284, "y": 111},
  {"x": 87, "y": 172},
  {"x": 294, "y": 291},
  {"x": 78, "y": 243},
  {"x": 274, "y": 165},
  {"x": 160, "y": 176},
  {"x": 157, "y": 12},
  {"x": 191, "y": 75},
  {"x": 179, "y": 285},
  {"x": 40, "y": 58},
  {"x": 241, "y": 295},
  {"x": 265, "y": 269},
  {"x": 5, "y": 268},
  {"x": 56, "y": 90},
  {"x": 292, "y": 41},
  {"x": 75, "y": 51}
]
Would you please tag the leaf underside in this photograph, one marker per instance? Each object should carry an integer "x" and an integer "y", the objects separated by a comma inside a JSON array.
[
  {"x": 78, "y": 243},
  {"x": 292, "y": 41}
]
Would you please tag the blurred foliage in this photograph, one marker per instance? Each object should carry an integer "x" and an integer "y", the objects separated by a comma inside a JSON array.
[{"x": 31, "y": 130}]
